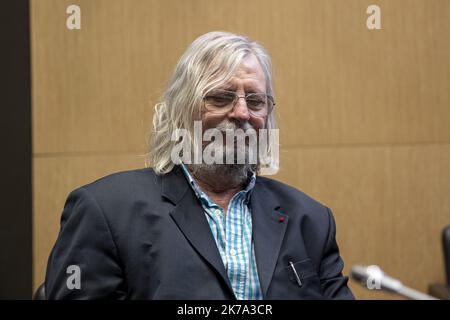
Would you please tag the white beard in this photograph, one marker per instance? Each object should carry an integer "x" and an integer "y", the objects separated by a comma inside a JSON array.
[{"x": 231, "y": 174}]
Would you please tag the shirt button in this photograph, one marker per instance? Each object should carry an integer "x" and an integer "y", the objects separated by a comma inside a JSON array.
[
  {"x": 233, "y": 252},
  {"x": 217, "y": 212}
]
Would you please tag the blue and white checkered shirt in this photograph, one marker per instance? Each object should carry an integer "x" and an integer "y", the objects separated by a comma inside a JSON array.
[{"x": 233, "y": 235}]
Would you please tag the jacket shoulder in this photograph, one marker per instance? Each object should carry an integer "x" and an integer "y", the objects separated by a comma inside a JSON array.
[
  {"x": 121, "y": 181},
  {"x": 286, "y": 193},
  {"x": 119, "y": 191}
]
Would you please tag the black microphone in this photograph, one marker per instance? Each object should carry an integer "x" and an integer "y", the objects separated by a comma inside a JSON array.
[{"x": 372, "y": 277}]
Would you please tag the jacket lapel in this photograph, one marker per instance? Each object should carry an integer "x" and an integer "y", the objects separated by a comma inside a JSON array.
[
  {"x": 190, "y": 218},
  {"x": 269, "y": 227}
]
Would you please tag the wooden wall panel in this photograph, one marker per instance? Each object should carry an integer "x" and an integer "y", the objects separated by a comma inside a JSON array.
[
  {"x": 363, "y": 114},
  {"x": 337, "y": 81}
]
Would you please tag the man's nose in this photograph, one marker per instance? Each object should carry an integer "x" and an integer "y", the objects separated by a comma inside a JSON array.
[{"x": 240, "y": 111}]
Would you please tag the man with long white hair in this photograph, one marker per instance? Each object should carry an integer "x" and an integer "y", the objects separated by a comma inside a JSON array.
[{"x": 201, "y": 223}]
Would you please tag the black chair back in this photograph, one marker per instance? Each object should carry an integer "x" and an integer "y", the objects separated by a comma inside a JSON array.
[{"x": 40, "y": 293}]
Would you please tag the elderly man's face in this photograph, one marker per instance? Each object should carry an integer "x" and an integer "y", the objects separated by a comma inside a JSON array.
[{"x": 248, "y": 78}]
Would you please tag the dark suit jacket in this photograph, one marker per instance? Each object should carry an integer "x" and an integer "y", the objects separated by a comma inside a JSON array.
[{"x": 138, "y": 235}]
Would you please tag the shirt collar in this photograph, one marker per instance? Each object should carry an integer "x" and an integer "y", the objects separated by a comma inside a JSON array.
[{"x": 246, "y": 192}]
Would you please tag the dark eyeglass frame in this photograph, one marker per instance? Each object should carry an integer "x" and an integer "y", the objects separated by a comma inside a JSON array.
[{"x": 228, "y": 104}]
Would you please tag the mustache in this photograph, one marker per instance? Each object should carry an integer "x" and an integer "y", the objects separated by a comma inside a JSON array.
[{"x": 226, "y": 125}]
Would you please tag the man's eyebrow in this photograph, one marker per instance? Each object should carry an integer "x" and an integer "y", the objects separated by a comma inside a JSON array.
[{"x": 254, "y": 90}]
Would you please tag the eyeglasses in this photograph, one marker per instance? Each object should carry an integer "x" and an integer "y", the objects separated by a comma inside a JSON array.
[{"x": 222, "y": 101}]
